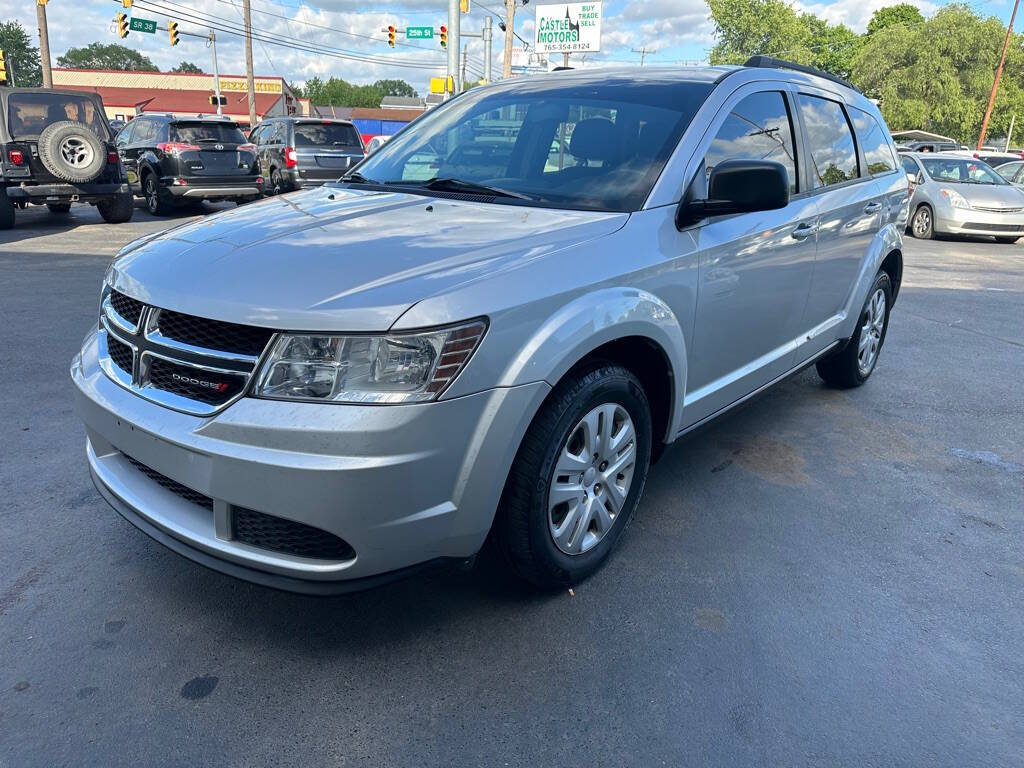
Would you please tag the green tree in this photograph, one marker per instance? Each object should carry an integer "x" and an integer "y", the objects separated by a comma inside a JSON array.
[
  {"x": 832, "y": 48},
  {"x": 336, "y": 92},
  {"x": 22, "y": 57},
  {"x": 746, "y": 27},
  {"x": 110, "y": 56},
  {"x": 188, "y": 68},
  {"x": 395, "y": 88},
  {"x": 903, "y": 14}
]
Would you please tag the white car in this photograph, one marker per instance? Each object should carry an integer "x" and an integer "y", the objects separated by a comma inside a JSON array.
[{"x": 376, "y": 143}]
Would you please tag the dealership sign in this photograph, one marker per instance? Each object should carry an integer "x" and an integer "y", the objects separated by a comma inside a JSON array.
[{"x": 568, "y": 28}]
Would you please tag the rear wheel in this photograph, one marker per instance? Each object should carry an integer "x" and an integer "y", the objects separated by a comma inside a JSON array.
[
  {"x": 158, "y": 200},
  {"x": 922, "y": 225},
  {"x": 853, "y": 364},
  {"x": 6, "y": 210},
  {"x": 119, "y": 210},
  {"x": 276, "y": 182},
  {"x": 577, "y": 478},
  {"x": 59, "y": 207}
]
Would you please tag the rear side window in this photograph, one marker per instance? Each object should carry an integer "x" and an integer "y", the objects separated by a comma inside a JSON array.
[
  {"x": 757, "y": 128},
  {"x": 326, "y": 135},
  {"x": 198, "y": 133},
  {"x": 874, "y": 143},
  {"x": 145, "y": 130},
  {"x": 833, "y": 153}
]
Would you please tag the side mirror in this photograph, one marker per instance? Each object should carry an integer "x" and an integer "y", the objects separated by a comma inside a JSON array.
[
  {"x": 912, "y": 177},
  {"x": 738, "y": 186}
]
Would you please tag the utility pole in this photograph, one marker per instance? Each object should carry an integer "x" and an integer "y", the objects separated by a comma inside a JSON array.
[
  {"x": 462, "y": 81},
  {"x": 487, "y": 48},
  {"x": 643, "y": 54},
  {"x": 510, "y": 25},
  {"x": 1009, "y": 133},
  {"x": 999, "y": 74},
  {"x": 248, "y": 63},
  {"x": 454, "y": 25},
  {"x": 44, "y": 44},
  {"x": 216, "y": 71}
]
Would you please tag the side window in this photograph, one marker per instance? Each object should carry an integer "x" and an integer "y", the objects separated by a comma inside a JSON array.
[
  {"x": 1009, "y": 171},
  {"x": 833, "y": 153},
  {"x": 758, "y": 128},
  {"x": 254, "y": 136},
  {"x": 124, "y": 136},
  {"x": 145, "y": 131},
  {"x": 874, "y": 143},
  {"x": 910, "y": 166}
]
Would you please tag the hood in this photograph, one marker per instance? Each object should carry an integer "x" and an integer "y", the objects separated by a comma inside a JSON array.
[
  {"x": 989, "y": 196},
  {"x": 335, "y": 259}
]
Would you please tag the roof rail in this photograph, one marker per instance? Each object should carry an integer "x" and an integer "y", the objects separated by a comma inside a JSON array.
[{"x": 770, "y": 62}]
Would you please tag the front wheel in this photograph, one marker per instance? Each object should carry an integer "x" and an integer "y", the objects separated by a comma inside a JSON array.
[
  {"x": 577, "y": 477},
  {"x": 922, "y": 226},
  {"x": 853, "y": 364}
]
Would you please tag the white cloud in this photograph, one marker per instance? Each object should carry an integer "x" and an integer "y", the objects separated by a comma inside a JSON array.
[{"x": 857, "y": 13}]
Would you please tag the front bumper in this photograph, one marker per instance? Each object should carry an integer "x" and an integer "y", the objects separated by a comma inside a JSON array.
[
  {"x": 403, "y": 485},
  {"x": 64, "y": 193},
  {"x": 971, "y": 221}
]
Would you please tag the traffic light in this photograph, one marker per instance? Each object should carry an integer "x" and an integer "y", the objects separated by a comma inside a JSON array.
[
  {"x": 122, "y": 24},
  {"x": 3, "y": 68},
  {"x": 127, "y": 3},
  {"x": 464, "y": 6},
  {"x": 444, "y": 37},
  {"x": 391, "y": 36},
  {"x": 172, "y": 32}
]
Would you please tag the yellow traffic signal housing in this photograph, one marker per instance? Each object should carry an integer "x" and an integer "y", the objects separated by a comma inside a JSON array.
[
  {"x": 3, "y": 68},
  {"x": 391, "y": 36},
  {"x": 444, "y": 37},
  {"x": 172, "y": 32},
  {"x": 464, "y": 6},
  {"x": 122, "y": 24},
  {"x": 127, "y": 3}
]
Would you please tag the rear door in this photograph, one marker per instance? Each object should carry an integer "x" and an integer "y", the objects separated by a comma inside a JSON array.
[
  {"x": 851, "y": 206},
  {"x": 326, "y": 149},
  {"x": 755, "y": 269},
  {"x": 212, "y": 150}
]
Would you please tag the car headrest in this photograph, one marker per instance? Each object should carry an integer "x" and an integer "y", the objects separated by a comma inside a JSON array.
[{"x": 595, "y": 139}]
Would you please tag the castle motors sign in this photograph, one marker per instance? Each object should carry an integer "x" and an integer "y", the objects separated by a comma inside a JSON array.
[{"x": 568, "y": 28}]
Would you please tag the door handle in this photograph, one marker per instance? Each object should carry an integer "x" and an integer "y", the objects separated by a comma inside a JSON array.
[
  {"x": 804, "y": 230},
  {"x": 871, "y": 208}
]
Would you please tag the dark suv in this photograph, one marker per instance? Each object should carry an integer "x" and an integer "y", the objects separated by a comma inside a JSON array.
[
  {"x": 56, "y": 149},
  {"x": 297, "y": 152},
  {"x": 174, "y": 159}
]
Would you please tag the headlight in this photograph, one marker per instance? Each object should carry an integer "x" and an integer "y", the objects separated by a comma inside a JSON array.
[
  {"x": 955, "y": 198},
  {"x": 396, "y": 368}
]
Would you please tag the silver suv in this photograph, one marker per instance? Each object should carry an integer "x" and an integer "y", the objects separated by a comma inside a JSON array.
[{"x": 493, "y": 325}]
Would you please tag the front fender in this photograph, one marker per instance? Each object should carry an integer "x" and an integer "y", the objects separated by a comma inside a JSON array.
[{"x": 592, "y": 320}]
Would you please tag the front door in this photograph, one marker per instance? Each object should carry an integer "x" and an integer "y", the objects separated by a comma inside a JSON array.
[{"x": 755, "y": 269}]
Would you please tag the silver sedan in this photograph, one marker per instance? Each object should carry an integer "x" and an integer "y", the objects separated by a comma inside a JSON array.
[{"x": 961, "y": 196}]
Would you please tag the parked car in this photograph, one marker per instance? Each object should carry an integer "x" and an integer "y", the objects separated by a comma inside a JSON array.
[
  {"x": 376, "y": 143},
  {"x": 172, "y": 160},
  {"x": 298, "y": 152},
  {"x": 1013, "y": 172},
  {"x": 993, "y": 158},
  {"x": 962, "y": 196},
  {"x": 340, "y": 385},
  {"x": 929, "y": 146},
  {"x": 116, "y": 125},
  {"x": 55, "y": 150}
]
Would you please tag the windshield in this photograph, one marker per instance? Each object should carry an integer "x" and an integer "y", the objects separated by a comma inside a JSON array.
[
  {"x": 960, "y": 171},
  {"x": 214, "y": 133},
  {"x": 326, "y": 135},
  {"x": 571, "y": 145},
  {"x": 30, "y": 113}
]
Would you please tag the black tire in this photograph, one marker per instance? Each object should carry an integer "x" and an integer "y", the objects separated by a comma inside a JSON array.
[
  {"x": 118, "y": 210},
  {"x": 1007, "y": 240},
  {"x": 6, "y": 210},
  {"x": 72, "y": 151},
  {"x": 59, "y": 207},
  {"x": 520, "y": 532},
  {"x": 922, "y": 223},
  {"x": 276, "y": 182},
  {"x": 159, "y": 201},
  {"x": 842, "y": 369}
]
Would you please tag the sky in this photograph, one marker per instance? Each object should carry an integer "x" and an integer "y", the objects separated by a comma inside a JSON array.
[{"x": 677, "y": 31}]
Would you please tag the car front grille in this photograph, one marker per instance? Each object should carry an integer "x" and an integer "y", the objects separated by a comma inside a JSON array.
[
  {"x": 192, "y": 364},
  {"x": 287, "y": 536},
  {"x": 193, "y": 497}
]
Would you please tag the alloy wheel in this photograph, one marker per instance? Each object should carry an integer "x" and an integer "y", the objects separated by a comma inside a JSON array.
[
  {"x": 871, "y": 333},
  {"x": 922, "y": 222},
  {"x": 591, "y": 478}
]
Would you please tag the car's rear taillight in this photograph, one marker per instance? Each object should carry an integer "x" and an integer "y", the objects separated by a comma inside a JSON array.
[
  {"x": 112, "y": 157},
  {"x": 247, "y": 148},
  {"x": 16, "y": 156},
  {"x": 290, "y": 160},
  {"x": 176, "y": 147}
]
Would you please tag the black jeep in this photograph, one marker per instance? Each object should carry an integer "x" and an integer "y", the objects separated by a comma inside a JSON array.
[{"x": 56, "y": 149}]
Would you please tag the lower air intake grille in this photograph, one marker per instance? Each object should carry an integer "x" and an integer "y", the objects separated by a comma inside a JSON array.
[
  {"x": 287, "y": 536},
  {"x": 172, "y": 485}
]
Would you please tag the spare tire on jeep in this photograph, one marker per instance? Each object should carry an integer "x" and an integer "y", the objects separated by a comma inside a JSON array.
[{"x": 72, "y": 151}]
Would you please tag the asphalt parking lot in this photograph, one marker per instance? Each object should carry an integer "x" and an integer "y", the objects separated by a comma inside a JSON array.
[{"x": 823, "y": 578}]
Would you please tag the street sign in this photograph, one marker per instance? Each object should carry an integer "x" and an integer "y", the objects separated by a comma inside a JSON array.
[
  {"x": 419, "y": 33},
  {"x": 568, "y": 28},
  {"x": 142, "y": 25}
]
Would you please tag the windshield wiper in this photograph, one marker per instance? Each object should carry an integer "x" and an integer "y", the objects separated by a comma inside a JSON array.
[
  {"x": 446, "y": 184},
  {"x": 357, "y": 178}
]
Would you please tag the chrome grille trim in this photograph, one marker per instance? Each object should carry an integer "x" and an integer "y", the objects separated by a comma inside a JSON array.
[{"x": 146, "y": 344}]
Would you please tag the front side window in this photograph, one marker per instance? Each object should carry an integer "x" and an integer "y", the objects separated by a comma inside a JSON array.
[
  {"x": 207, "y": 132},
  {"x": 567, "y": 144},
  {"x": 757, "y": 128},
  {"x": 833, "y": 153},
  {"x": 874, "y": 143},
  {"x": 1009, "y": 171}
]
